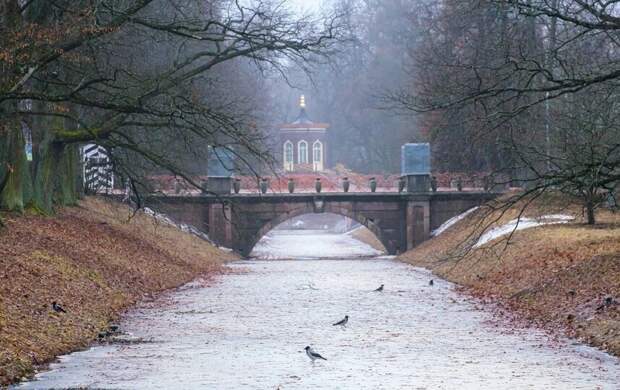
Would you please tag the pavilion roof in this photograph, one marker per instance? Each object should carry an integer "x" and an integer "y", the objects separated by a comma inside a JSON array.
[{"x": 303, "y": 121}]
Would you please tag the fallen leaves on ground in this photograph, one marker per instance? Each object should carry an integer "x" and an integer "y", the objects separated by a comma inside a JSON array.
[
  {"x": 95, "y": 262},
  {"x": 554, "y": 277}
]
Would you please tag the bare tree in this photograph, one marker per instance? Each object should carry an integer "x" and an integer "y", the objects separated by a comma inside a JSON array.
[
  {"x": 131, "y": 75},
  {"x": 525, "y": 88},
  {"x": 345, "y": 90},
  {"x": 583, "y": 159}
]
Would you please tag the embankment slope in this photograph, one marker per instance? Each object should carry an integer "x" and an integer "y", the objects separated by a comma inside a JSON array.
[
  {"x": 96, "y": 262},
  {"x": 554, "y": 277},
  {"x": 367, "y": 237}
]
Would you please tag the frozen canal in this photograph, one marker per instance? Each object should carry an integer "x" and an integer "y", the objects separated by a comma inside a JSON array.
[
  {"x": 248, "y": 330},
  {"x": 300, "y": 244}
]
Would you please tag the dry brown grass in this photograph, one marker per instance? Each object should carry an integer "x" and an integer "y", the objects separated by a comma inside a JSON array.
[
  {"x": 93, "y": 260},
  {"x": 367, "y": 237},
  {"x": 554, "y": 276}
]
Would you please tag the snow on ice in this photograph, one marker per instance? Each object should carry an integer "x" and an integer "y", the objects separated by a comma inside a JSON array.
[{"x": 310, "y": 244}]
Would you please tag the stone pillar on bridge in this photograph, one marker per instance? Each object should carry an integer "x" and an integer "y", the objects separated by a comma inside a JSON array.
[
  {"x": 416, "y": 167},
  {"x": 220, "y": 170},
  {"x": 219, "y": 185},
  {"x": 418, "y": 222},
  {"x": 220, "y": 228}
]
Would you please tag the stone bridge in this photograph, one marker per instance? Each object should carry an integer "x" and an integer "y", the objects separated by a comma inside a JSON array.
[{"x": 399, "y": 220}]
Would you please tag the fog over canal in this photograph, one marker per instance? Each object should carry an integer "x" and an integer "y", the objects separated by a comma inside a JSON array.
[{"x": 247, "y": 330}]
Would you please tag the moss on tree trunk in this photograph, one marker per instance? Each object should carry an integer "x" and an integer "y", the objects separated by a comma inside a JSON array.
[
  {"x": 66, "y": 172},
  {"x": 53, "y": 181},
  {"x": 14, "y": 190}
]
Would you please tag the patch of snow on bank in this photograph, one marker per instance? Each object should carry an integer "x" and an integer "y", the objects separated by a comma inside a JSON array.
[
  {"x": 446, "y": 225},
  {"x": 386, "y": 257},
  {"x": 521, "y": 224},
  {"x": 308, "y": 244},
  {"x": 163, "y": 218}
]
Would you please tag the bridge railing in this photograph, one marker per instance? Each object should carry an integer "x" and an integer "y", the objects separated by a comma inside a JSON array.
[{"x": 324, "y": 183}]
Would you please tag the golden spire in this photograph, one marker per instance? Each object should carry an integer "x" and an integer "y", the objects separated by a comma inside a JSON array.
[{"x": 302, "y": 101}]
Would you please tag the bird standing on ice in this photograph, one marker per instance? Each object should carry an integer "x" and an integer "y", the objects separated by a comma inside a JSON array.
[
  {"x": 342, "y": 322},
  {"x": 380, "y": 288},
  {"x": 313, "y": 355}
]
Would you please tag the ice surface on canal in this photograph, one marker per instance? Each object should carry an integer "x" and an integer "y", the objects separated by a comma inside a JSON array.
[
  {"x": 248, "y": 331},
  {"x": 300, "y": 244}
]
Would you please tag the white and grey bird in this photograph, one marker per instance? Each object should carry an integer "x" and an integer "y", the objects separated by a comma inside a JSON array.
[
  {"x": 57, "y": 308},
  {"x": 312, "y": 354},
  {"x": 342, "y": 322}
]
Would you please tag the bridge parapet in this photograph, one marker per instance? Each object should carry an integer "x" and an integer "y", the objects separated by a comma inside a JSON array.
[{"x": 399, "y": 220}]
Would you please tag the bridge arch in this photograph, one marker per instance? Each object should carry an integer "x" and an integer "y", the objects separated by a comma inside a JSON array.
[
  {"x": 305, "y": 208},
  {"x": 400, "y": 221}
]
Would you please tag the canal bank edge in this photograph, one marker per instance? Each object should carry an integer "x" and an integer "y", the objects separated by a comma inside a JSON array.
[
  {"x": 559, "y": 277},
  {"x": 95, "y": 259}
]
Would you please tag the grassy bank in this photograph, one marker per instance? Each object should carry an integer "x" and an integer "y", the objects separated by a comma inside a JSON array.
[
  {"x": 367, "y": 237},
  {"x": 96, "y": 264},
  {"x": 554, "y": 277}
]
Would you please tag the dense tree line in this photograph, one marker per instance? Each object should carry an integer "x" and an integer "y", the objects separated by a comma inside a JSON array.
[
  {"x": 525, "y": 88},
  {"x": 345, "y": 90},
  {"x": 148, "y": 79}
]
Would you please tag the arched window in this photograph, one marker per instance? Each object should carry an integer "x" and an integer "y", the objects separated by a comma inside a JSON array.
[
  {"x": 288, "y": 156},
  {"x": 303, "y": 152},
  {"x": 317, "y": 155}
]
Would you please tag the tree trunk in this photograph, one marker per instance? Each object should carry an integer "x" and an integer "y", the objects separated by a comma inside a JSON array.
[
  {"x": 590, "y": 210},
  {"x": 55, "y": 180},
  {"x": 54, "y": 170},
  {"x": 15, "y": 169},
  {"x": 66, "y": 192}
]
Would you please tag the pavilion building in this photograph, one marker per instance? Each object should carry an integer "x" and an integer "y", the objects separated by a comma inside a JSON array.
[{"x": 303, "y": 143}]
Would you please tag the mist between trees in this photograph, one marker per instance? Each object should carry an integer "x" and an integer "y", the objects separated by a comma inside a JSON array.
[
  {"x": 526, "y": 89},
  {"x": 523, "y": 90},
  {"x": 153, "y": 81}
]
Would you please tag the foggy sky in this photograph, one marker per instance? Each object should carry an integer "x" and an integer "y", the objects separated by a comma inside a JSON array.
[{"x": 306, "y": 5}]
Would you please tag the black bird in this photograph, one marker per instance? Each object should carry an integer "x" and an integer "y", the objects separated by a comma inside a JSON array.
[
  {"x": 430, "y": 283},
  {"x": 342, "y": 322},
  {"x": 380, "y": 288},
  {"x": 57, "y": 308},
  {"x": 606, "y": 302},
  {"x": 103, "y": 335},
  {"x": 313, "y": 355}
]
